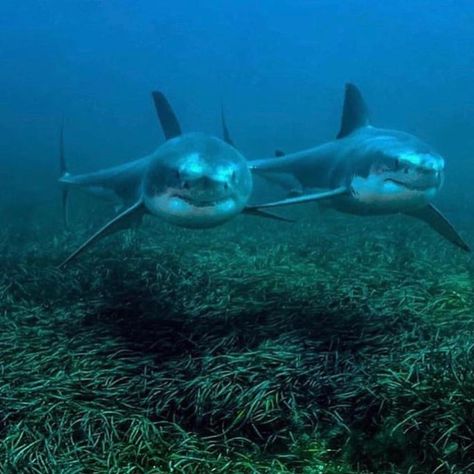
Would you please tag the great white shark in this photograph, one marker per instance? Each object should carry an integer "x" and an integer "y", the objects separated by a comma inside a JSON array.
[
  {"x": 192, "y": 180},
  {"x": 366, "y": 171}
]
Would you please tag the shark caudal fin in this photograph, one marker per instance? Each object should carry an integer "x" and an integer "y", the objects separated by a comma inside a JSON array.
[
  {"x": 225, "y": 130},
  {"x": 63, "y": 171},
  {"x": 355, "y": 113},
  {"x": 169, "y": 121}
]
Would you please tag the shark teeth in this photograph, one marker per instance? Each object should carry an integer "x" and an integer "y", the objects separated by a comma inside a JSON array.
[
  {"x": 199, "y": 203},
  {"x": 412, "y": 187}
]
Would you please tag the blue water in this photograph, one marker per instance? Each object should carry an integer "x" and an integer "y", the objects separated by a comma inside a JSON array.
[{"x": 278, "y": 66}]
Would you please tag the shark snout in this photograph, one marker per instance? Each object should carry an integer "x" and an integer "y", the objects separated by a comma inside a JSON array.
[
  {"x": 417, "y": 178},
  {"x": 203, "y": 182},
  {"x": 196, "y": 179},
  {"x": 428, "y": 178},
  {"x": 432, "y": 163},
  {"x": 417, "y": 171}
]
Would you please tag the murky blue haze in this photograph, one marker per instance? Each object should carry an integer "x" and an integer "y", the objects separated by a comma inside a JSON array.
[{"x": 279, "y": 67}]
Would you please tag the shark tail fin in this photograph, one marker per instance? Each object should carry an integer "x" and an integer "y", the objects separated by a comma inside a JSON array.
[
  {"x": 169, "y": 121},
  {"x": 355, "y": 113},
  {"x": 63, "y": 171}
]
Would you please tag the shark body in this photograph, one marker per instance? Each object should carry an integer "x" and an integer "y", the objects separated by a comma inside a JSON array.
[
  {"x": 366, "y": 171},
  {"x": 193, "y": 180}
]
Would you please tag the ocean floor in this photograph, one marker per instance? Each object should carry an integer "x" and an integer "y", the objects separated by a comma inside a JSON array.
[{"x": 333, "y": 345}]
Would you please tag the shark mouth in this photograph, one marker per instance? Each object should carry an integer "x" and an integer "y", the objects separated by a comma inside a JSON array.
[
  {"x": 201, "y": 203},
  {"x": 414, "y": 186}
]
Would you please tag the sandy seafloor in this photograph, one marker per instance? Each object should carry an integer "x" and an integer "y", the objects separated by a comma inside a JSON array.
[{"x": 336, "y": 344}]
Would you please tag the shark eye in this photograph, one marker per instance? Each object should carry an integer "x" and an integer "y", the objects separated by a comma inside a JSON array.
[
  {"x": 381, "y": 168},
  {"x": 400, "y": 166}
]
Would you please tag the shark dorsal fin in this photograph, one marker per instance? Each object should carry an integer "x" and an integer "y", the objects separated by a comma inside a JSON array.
[
  {"x": 168, "y": 120},
  {"x": 355, "y": 113},
  {"x": 225, "y": 129}
]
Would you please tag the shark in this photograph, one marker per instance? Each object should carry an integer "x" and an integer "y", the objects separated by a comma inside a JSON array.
[
  {"x": 366, "y": 171},
  {"x": 192, "y": 180}
]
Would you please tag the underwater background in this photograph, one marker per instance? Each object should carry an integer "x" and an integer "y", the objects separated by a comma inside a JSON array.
[{"x": 334, "y": 344}]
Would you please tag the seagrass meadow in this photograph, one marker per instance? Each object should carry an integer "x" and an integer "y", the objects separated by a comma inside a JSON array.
[{"x": 332, "y": 345}]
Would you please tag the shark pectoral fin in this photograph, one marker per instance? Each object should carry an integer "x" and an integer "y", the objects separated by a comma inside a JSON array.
[
  {"x": 440, "y": 224},
  {"x": 125, "y": 220},
  {"x": 305, "y": 198},
  {"x": 166, "y": 115},
  {"x": 253, "y": 211}
]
